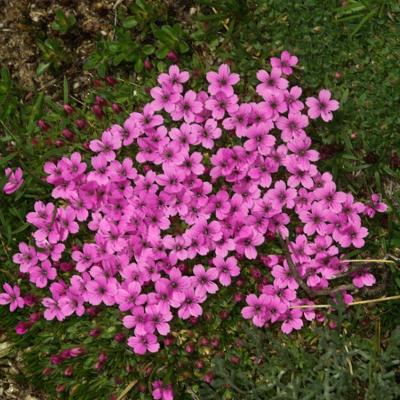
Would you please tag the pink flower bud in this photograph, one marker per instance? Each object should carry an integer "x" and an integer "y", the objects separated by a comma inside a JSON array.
[
  {"x": 189, "y": 347},
  {"x": 98, "y": 111},
  {"x": 101, "y": 101},
  {"x": 148, "y": 66},
  {"x": 66, "y": 266},
  {"x": 172, "y": 56},
  {"x": 95, "y": 332},
  {"x": 81, "y": 123},
  {"x": 43, "y": 125},
  {"x": 116, "y": 108},
  {"x": 111, "y": 80},
  {"x": 68, "y": 134},
  {"x": 60, "y": 388},
  {"x": 119, "y": 337},
  {"x": 69, "y": 371},
  {"x": 68, "y": 109}
]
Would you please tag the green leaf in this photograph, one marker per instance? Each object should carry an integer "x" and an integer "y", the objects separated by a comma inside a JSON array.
[
  {"x": 129, "y": 22},
  {"x": 42, "y": 68}
]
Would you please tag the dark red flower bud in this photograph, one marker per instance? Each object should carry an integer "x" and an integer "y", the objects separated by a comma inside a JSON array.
[
  {"x": 224, "y": 314},
  {"x": 59, "y": 143},
  {"x": 97, "y": 82},
  {"x": 68, "y": 134},
  {"x": 204, "y": 341},
  {"x": 119, "y": 337},
  {"x": 81, "y": 123},
  {"x": 101, "y": 101},
  {"x": 95, "y": 332},
  {"x": 189, "y": 347},
  {"x": 43, "y": 125},
  {"x": 111, "y": 80},
  {"x": 68, "y": 109},
  {"x": 66, "y": 266},
  {"x": 60, "y": 388},
  {"x": 148, "y": 66},
  {"x": 116, "y": 108},
  {"x": 172, "y": 56},
  {"x": 98, "y": 111},
  {"x": 56, "y": 359},
  {"x": 208, "y": 377},
  {"x": 235, "y": 360},
  {"x": 69, "y": 371},
  {"x": 47, "y": 371},
  {"x": 215, "y": 342},
  {"x": 169, "y": 341},
  {"x": 199, "y": 364}
]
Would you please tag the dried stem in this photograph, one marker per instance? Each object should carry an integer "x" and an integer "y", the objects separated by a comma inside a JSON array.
[{"x": 354, "y": 303}]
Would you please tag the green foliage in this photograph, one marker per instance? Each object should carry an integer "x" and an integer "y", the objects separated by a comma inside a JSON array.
[
  {"x": 63, "y": 22},
  {"x": 323, "y": 364},
  {"x": 53, "y": 56}
]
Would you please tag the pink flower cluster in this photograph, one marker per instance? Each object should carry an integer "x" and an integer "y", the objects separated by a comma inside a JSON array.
[{"x": 195, "y": 194}]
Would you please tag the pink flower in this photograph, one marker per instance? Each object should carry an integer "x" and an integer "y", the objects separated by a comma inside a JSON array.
[
  {"x": 187, "y": 107},
  {"x": 362, "y": 279},
  {"x": 323, "y": 106},
  {"x": 162, "y": 391},
  {"x": 256, "y": 309},
  {"x": 174, "y": 79},
  {"x": 226, "y": 269},
  {"x": 40, "y": 275},
  {"x": 15, "y": 180},
  {"x": 190, "y": 304},
  {"x": 285, "y": 62},
  {"x": 203, "y": 280},
  {"x": 221, "y": 103},
  {"x": 164, "y": 99},
  {"x": 292, "y": 126},
  {"x": 143, "y": 343},
  {"x": 292, "y": 321},
  {"x": 12, "y": 296},
  {"x": 107, "y": 145},
  {"x": 101, "y": 290},
  {"x": 353, "y": 234},
  {"x": 222, "y": 81},
  {"x": 315, "y": 219},
  {"x": 270, "y": 82},
  {"x": 53, "y": 309}
]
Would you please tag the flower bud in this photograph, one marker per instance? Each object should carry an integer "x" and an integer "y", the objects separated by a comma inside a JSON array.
[
  {"x": 60, "y": 388},
  {"x": 98, "y": 111},
  {"x": 119, "y": 337},
  {"x": 66, "y": 266},
  {"x": 189, "y": 347},
  {"x": 199, "y": 364},
  {"x": 148, "y": 66},
  {"x": 68, "y": 109},
  {"x": 95, "y": 332},
  {"x": 111, "y": 80},
  {"x": 116, "y": 108},
  {"x": 69, "y": 371},
  {"x": 43, "y": 125},
  {"x": 81, "y": 123},
  {"x": 172, "y": 56},
  {"x": 68, "y": 134},
  {"x": 208, "y": 377}
]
